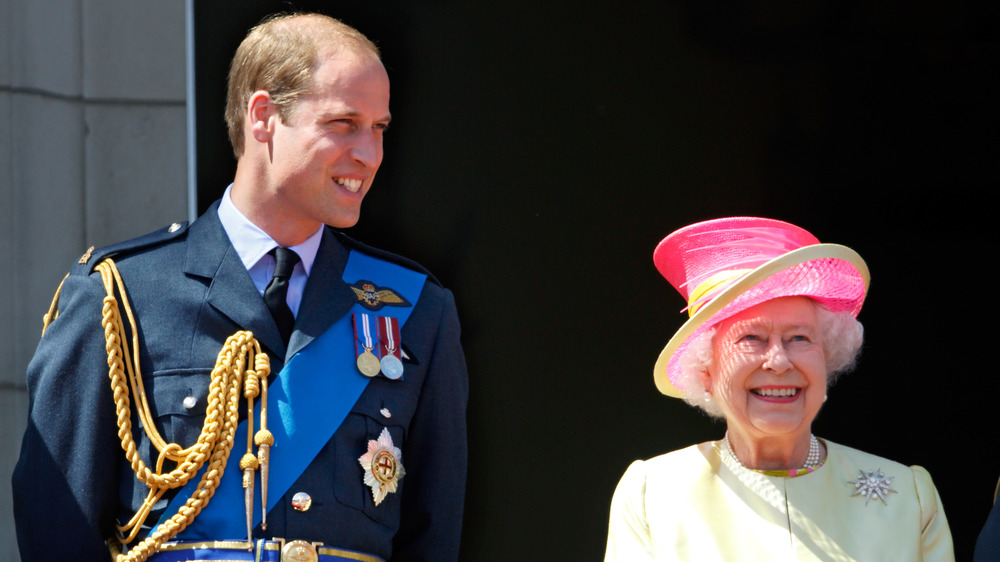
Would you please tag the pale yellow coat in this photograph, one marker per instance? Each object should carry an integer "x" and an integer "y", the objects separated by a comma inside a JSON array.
[{"x": 698, "y": 504}]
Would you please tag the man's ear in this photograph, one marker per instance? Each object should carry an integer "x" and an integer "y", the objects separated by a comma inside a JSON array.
[{"x": 262, "y": 114}]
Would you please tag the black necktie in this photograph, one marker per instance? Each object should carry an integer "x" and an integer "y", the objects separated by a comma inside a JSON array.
[{"x": 276, "y": 293}]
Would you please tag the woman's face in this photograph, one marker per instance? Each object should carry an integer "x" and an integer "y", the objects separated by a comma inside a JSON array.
[{"x": 769, "y": 370}]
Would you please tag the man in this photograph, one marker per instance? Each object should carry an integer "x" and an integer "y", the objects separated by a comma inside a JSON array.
[{"x": 367, "y": 459}]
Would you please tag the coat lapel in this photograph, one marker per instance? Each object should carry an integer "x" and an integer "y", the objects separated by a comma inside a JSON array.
[
  {"x": 210, "y": 255},
  {"x": 327, "y": 298}
]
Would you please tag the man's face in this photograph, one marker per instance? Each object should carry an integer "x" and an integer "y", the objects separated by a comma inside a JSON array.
[{"x": 324, "y": 159}]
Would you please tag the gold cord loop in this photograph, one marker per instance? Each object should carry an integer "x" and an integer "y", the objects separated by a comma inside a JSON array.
[
  {"x": 53, "y": 311},
  {"x": 215, "y": 442}
]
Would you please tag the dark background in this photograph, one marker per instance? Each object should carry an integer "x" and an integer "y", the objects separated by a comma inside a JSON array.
[{"x": 538, "y": 153}]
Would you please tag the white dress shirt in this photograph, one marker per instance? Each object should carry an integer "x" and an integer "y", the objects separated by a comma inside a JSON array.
[{"x": 253, "y": 244}]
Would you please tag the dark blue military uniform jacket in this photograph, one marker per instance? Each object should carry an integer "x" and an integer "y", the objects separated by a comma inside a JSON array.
[
  {"x": 988, "y": 543},
  {"x": 189, "y": 291}
]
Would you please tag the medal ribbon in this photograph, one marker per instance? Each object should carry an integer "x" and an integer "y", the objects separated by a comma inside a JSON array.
[
  {"x": 388, "y": 332},
  {"x": 365, "y": 332}
]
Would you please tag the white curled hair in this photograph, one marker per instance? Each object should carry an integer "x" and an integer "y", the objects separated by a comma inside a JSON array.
[{"x": 842, "y": 336}]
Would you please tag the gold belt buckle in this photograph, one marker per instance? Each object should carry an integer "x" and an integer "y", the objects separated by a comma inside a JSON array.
[{"x": 299, "y": 551}]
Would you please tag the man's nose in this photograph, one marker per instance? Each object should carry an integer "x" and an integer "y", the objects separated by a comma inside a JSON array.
[{"x": 367, "y": 149}]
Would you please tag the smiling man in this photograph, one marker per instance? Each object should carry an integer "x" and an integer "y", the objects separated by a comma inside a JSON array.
[{"x": 256, "y": 385}]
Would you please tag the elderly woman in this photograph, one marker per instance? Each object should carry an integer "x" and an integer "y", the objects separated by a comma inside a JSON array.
[{"x": 772, "y": 322}]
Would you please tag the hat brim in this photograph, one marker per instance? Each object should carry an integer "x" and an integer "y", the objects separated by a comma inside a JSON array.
[{"x": 751, "y": 279}]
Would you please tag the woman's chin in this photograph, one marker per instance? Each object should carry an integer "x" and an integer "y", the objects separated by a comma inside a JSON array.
[{"x": 780, "y": 424}]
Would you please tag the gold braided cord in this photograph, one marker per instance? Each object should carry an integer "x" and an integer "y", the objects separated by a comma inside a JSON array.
[
  {"x": 53, "y": 312},
  {"x": 240, "y": 358}
]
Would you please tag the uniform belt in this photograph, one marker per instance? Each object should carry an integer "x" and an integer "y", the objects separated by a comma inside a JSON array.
[{"x": 277, "y": 550}]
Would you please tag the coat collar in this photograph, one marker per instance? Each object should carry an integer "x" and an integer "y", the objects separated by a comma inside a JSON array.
[{"x": 327, "y": 297}]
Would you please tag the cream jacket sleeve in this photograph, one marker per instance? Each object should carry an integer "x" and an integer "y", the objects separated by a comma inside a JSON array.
[
  {"x": 628, "y": 531},
  {"x": 934, "y": 531}
]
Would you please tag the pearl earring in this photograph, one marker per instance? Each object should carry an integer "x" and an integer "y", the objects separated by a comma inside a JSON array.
[{"x": 707, "y": 397}]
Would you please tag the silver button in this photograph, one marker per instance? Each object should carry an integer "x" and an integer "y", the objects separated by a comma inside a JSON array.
[
  {"x": 174, "y": 227},
  {"x": 190, "y": 402},
  {"x": 301, "y": 501}
]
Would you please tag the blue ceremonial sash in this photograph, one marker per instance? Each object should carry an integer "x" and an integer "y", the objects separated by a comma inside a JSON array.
[{"x": 312, "y": 396}]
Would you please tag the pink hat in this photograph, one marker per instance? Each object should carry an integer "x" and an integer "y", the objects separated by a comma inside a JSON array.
[{"x": 724, "y": 266}]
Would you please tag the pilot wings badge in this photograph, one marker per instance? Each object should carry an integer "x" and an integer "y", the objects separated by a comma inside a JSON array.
[{"x": 373, "y": 297}]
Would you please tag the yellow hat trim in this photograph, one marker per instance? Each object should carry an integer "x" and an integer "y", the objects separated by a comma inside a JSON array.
[{"x": 709, "y": 285}]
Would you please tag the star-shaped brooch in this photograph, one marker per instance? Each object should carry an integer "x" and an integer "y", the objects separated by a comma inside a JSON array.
[
  {"x": 383, "y": 466},
  {"x": 873, "y": 484}
]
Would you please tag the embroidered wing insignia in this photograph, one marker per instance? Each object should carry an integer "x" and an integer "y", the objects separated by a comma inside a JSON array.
[{"x": 373, "y": 297}]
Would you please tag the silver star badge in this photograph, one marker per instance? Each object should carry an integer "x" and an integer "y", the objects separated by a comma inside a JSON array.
[
  {"x": 383, "y": 466},
  {"x": 873, "y": 484}
]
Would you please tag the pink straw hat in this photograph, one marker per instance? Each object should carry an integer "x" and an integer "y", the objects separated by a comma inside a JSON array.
[{"x": 724, "y": 266}]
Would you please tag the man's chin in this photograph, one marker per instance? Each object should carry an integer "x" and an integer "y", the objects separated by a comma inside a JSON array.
[{"x": 344, "y": 220}]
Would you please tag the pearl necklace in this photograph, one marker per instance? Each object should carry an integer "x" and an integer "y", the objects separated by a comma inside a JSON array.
[{"x": 812, "y": 459}]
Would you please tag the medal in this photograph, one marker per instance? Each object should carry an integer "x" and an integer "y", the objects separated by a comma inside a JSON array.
[
  {"x": 388, "y": 330},
  {"x": 392, "y": 367},
  {"x": 365, "y": 342},
  {"x": 368, "y": 364}
]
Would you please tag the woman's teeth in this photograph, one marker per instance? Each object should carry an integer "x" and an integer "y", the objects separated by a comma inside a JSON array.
[{"x": 776, "y": 392}]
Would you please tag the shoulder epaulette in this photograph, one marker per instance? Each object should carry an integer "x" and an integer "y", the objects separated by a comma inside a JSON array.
[
  {"x": 93, "y": 256},
  {"x": 382, "y": 254}
]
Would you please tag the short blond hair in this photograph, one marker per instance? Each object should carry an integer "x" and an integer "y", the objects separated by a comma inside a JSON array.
[{"x": 279, "y": 56}]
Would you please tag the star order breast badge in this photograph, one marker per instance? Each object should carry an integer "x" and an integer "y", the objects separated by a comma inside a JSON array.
[
  {"x": 383, "y": 466},
  {"x": 873, "y": 483}
]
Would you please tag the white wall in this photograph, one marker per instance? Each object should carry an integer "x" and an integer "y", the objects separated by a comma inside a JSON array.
[{"x": 92, "y": 151}]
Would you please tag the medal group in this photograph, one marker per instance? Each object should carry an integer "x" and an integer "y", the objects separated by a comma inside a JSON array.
[{"x": 377, "y": 345}]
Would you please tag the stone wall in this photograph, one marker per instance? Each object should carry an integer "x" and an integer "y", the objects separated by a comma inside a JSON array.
[{"x": 92, "y": 150}]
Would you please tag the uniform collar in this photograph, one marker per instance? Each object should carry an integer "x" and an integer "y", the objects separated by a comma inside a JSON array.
[{"x": 251, "y": 243}]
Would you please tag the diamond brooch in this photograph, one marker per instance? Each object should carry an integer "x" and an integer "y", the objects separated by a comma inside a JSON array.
[{"x": 874, "y": 483}]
